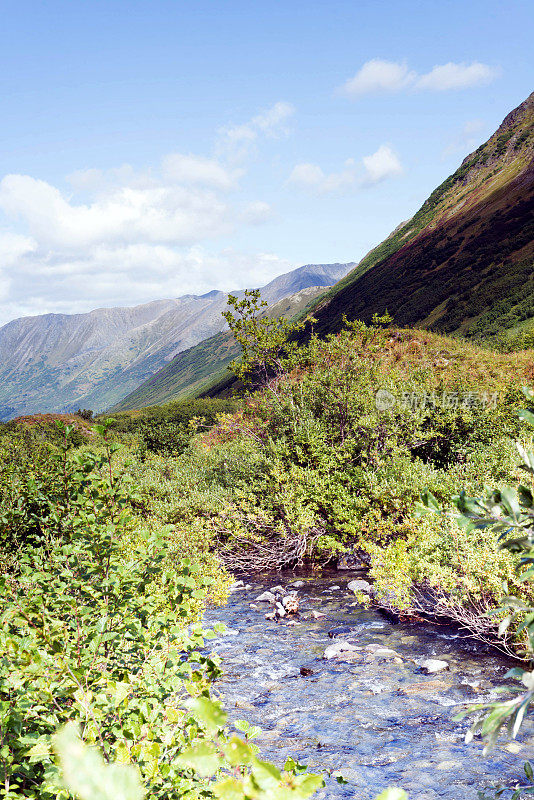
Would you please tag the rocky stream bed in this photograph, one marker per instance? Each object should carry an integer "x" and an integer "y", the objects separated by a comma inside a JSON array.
[{"x": 369, "y": 712}]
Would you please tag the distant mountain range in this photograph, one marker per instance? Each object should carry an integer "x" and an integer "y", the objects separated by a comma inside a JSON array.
[
  {"x": 195, "y": 369},
  {"x": 59, "y": 362}
]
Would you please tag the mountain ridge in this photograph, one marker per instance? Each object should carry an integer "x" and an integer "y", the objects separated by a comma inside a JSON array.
[
  {"x": 58, "y": 362},
  {"x": 469, "y": 243}
]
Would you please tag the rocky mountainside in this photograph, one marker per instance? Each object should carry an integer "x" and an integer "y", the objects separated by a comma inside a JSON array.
[
  {"x": 58, "y": 362},
  {"x": 465, "y": 262}
]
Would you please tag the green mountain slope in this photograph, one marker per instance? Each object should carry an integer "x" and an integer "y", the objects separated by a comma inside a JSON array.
[
  {"x": 464, "y": 262},
  {"x": 195, "y": 370}
]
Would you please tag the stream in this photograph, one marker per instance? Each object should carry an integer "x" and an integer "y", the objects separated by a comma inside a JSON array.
[{"x": 377, "y": 721}]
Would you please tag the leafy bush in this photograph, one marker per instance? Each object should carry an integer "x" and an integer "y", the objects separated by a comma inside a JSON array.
[{"x": 104, "y": 636}]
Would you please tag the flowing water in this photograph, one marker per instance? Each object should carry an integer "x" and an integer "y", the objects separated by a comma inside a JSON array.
[{"x": 374, "y": 720}]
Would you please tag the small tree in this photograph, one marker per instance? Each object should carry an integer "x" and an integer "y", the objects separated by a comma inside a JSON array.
[{"x": 265, "y": 340}]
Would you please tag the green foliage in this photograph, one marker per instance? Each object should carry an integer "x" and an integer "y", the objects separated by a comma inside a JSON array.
[
  {"x": 264, "y": 340},
  {"x": 238, "y": 773},
  {"x": 85, "y": 414},
  {"x": 509, "y": 513},
  {"x": 326, "y": 469},
  {"x": 103, "y": 636}
]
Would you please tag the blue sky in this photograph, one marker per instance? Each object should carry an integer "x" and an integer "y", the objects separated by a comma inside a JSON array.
[{"x": 151, "y": 149}]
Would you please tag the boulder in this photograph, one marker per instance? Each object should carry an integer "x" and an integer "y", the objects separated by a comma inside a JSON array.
[
  {"x": 337, "y": 648},
  {"x": 360, "y": 586},
  {"x": 266, "y": 597}
]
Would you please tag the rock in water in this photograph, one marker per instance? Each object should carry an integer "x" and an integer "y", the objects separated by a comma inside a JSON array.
[
  {"x": 339, "y": 647},
  {"x": 280, "y": 610},
  {"x": 432, "y": 665},
  {"x": 266, "y": 597},
  {"x": 360, "y": 586},
  {"x": 318, "y": 614},
  {"x": 342, "y": 630},
  {"x": 291, "y": 603}
]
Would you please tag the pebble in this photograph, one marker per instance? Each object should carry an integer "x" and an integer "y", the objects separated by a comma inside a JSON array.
[
  {"x": 290, "y": 599},
  {"x": 425, "y": 687},
  {"x": 297, "y": 584},
  {"x": 279, "y": 588},
  {"x": 271, "y": 615},
  {"x": 318, "y": 614}
]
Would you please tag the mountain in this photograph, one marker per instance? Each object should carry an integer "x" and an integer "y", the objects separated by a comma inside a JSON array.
[
  {"x": 195, "y": 369},
  {"x": 58, "y": 362},
  {"x": 464, "y": 263}
]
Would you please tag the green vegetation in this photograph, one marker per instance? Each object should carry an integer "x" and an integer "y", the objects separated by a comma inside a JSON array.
[
  {"x": 107, "y": 562},
  {"x": 115, "y": 535},
  {"x": 507, "y": 512}
]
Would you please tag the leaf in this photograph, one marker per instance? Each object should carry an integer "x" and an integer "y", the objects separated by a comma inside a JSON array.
[
  {"x": 173, "y": 715},
  {"x": 237, "y": 752},
  {"x": 40, "y": 751},
  {"x": 121, "y": 692},
  {"x": 208, "y": 712},
  {"x": 87, "y": 776},
  {"x": 309, "y": 784},
  {"x": 527, "y": 416},
  {"x": 266, "y": 775},
  {"x": 203, "y": 758},
  {"x": 229, "y": 789}
]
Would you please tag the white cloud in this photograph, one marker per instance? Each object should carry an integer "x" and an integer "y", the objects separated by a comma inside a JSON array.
[
  {"x": 379, "y": 166},
  {"x": 456, "y": 76},
  {"x": 382, "y": 164},
  {"x": 177, "y": 214},
  {"x": 12, "y": 248},
  {"x": 122, "y": 275},
  {"x": 379, "y": 76},
  {"x": 198, "y": 171},
  {"x": 311, "y": 178},
  {"x": 123, "y": 236},
  {"x": 237, "y": 141}
]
